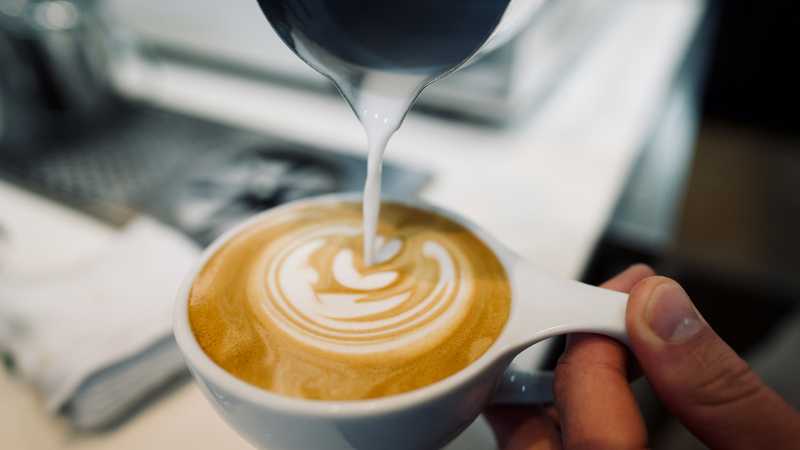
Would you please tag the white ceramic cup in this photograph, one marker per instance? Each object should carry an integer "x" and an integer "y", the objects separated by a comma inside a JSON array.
[{"x": 426, "y": 418}]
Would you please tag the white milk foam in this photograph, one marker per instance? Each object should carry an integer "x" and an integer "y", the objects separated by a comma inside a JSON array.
[
  {"x": 381, "y": 101},
  {"x": 349, "y": 323},
  {"x": 381, "y": 104}
]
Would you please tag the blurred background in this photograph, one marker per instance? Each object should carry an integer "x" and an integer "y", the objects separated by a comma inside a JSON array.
[{"x": 607, "y": 132}]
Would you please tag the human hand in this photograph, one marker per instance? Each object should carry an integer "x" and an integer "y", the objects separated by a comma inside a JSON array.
[{"x": 697, "y": 376}]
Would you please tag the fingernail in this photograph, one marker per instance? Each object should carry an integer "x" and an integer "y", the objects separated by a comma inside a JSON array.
[{"x": 671, "y": 315}]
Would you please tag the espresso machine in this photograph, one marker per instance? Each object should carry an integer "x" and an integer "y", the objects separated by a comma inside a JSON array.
[
  {"x": 67, "y": 132},
  {"x": 70, "y": 129},
  {"x": 54, "y": 59}
]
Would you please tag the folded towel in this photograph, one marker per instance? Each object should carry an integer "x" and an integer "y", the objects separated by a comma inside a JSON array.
[{"x": 94, "y": 336}]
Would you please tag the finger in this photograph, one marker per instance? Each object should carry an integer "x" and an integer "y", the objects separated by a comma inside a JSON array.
[
  {"x": 523, "y": 428},
  {"x": 551, "y": 412},
  {"x": 595, "y": 403},
  {"x": 626, "y": 280},
  {"x": 700, "y": 378}
]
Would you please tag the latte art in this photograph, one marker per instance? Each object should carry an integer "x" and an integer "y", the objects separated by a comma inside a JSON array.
[
  {"x": 312, "y": 285},
  {"x": 290, "y": 305}
]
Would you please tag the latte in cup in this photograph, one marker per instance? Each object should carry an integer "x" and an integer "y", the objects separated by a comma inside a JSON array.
[{"x": 289, "y": 305}]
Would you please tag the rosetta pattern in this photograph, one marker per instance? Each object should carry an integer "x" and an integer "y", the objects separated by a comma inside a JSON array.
[{"x": 312, "y": 285}]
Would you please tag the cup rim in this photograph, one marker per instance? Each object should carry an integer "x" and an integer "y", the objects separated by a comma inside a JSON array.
[{"x": 199, "y": 361}]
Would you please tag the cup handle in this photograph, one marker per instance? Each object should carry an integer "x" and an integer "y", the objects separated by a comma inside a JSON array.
[
  {"x": 545, "y": 306},
  {"x": 524, "y": 388}
]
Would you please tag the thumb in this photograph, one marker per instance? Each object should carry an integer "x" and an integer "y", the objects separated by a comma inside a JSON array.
[{"x": 699, "y": 377}]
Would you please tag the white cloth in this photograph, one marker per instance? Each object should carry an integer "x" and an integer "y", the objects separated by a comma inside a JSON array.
[{"x": 69, "y": 323}]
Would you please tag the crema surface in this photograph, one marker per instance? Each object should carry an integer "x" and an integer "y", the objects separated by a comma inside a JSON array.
[{"x": 289, "y": 305}]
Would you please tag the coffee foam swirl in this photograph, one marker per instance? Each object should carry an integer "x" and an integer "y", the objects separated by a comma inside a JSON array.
[
  {"x": 313, "y": 286},
  {"x": 288, "y": 304}
]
